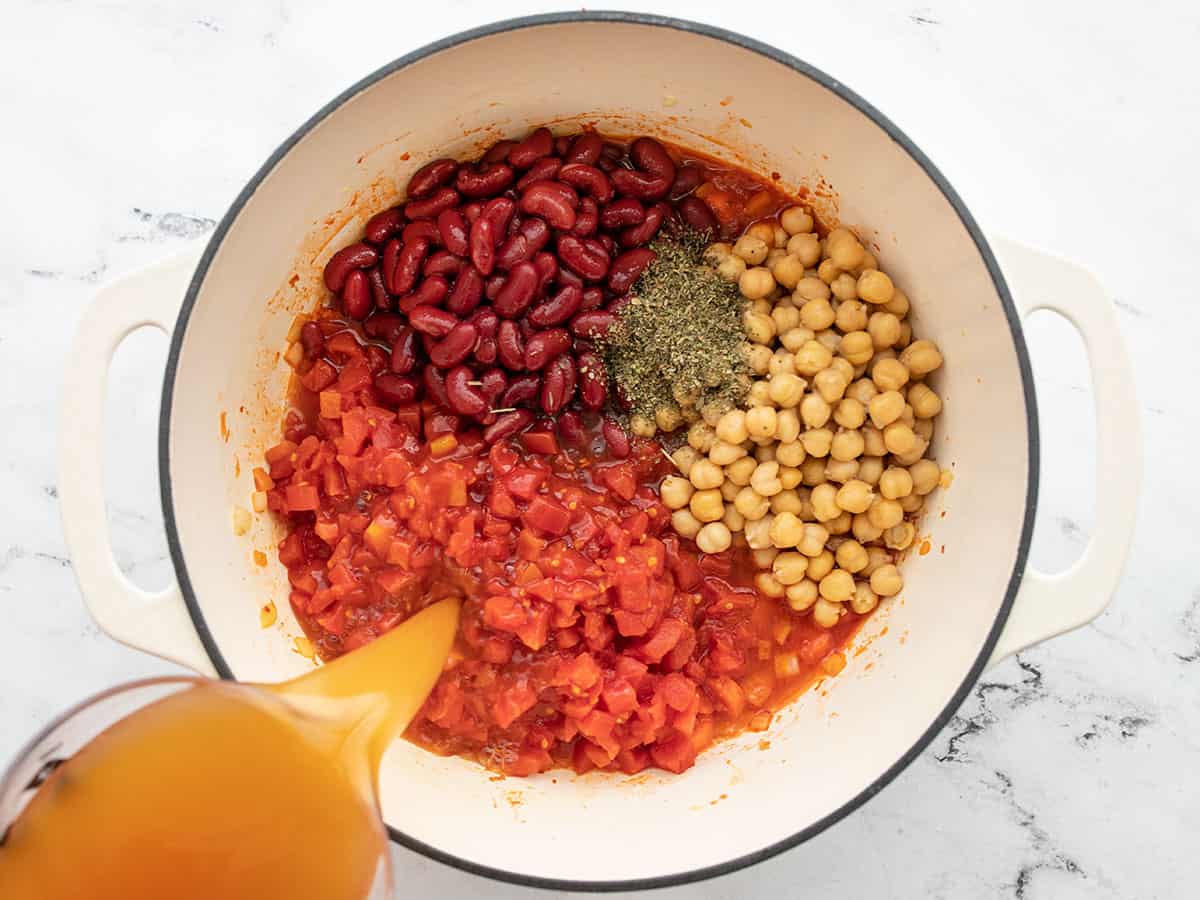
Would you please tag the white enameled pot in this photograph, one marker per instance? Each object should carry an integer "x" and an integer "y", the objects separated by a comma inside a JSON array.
[{"x": 963, "y": 607}]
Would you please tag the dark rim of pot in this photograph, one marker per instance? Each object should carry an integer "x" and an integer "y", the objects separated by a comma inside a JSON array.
[{"x": 844, "y": 93}]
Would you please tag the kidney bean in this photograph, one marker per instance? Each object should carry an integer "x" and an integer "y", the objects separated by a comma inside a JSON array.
[
  {"x": 471, "y": 211},
  {"x": 607, "y": 244},
  {"x": 636, "y": 235},
  {"x": 383, "y": 225},
  {"x": 558, "y": 308},
  {"x": 546, "y": 167},
  {"x": 518, "y": 290},
  {"x": 442, "y": 262},
  {"x": 485, "y": 182},
  {"x": 566, "y": 276},
  {"x": 391, "y": 255},
  {"x": 697, "y": 215},
  {"x": 610, "y": 157},
  {"x": 346, "y": 260},
  {"x": 544, "y": 347},
  {"x": 619, "y": 304},
  {"x": 651, "y": 157},
  {"x": 536, "y": 232},
  {"x": 404, "y": 352},
  {"x": 492, "y": 286},
  {"x": 593, "y": 380},
  {"x": 430, "y": 292},
  {"x": 356, "y": 295},
  {"x": 486, "y": 321},
  {"x": 631, "y": 183},
  {"x": 547, "y": 266},
  {"x": 492, "y": 383},
  {"x": 623, "y": 213},
  {"x": 312, "y": 339},
  {"x": 521, "y": 389},
  {"x": 455, "y": 346},
  {"x": 585, "y": 149},
  {"x": 527, "y": 328},
  {"x": 483, "y": 245},
  {"x": 432, "y": 321},
  {"x": 379, "y": 291},
  {"x": 408, "y": 265},
  {"x": 558, "y": 386},
  {"x": 615, "y": 438},
  {"x": 441, "y": 421},
  {"x": 587, "y": 262},
  {"x": 396, "y": 389},
  {"x": 452, "y": 228},
  {"x": 486, "y": 351},
  {"x": 498, "y": 211},
  {"x": 465, "y": 398},
  {"x": 593, "y": 298},
  {"x": 515, "y": 249},
  {"x": 689, "y": 177},
  {"x": 423, "y": 229},
  {"x": 510, "y": 346},
  {"x": 435, "y": 385},
  {"x": 570, "y": 428},
  {"x": 441, "y": 199},
  {"x": 587, "y": 218},
  {"x": 537, "y": 145},
  {"x": 553, "y": 201},
  {"x": 514, "y": 223},
  {"x": 498, "y": 152},
  {"x": 384, "y": 325},
  {"x": 628, "y": 268},
  {"x": 467, "y": 292},
  {"x": 592, "y": 324},
  {"x": 507, "y": 424},
  {"x": 431, "y": 176},
  {"x": 588, "y": 179},
  {"x": 377, "y": 358}
]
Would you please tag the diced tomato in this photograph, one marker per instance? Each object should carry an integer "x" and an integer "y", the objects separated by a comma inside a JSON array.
[
  {"x": 547, "y": 516},
  {"x": 622, "y": 478},
  {"x": 513, "y": 702},
  {"x": 619, "y": 697},
  {"x": 542, "y": 442},
  {"x": 524, "y": 483},
  {"x": 675, "y": 754},
  {"x": 302, "y": 497},
  {"x": 320, "y": 376}
]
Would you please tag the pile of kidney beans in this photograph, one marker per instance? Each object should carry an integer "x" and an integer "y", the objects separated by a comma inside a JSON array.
[{"x": 490, "y": 284}]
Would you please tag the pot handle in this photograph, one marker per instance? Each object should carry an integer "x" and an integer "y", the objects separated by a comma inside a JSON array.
[
  {"x": 1048, "y": 605},
  {"x": 155, "y": 622}
]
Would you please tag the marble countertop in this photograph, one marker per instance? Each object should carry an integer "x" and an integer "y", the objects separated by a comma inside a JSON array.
[{"x": 1071, "y": 770}]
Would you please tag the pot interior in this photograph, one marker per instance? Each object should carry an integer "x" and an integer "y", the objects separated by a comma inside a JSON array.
[{"x": 831, "y": 746}]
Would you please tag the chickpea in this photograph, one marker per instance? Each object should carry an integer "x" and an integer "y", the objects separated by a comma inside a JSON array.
[
  {"x": 751, "y": 248},
  {"x": 787, "y": 427},
  {"x": 723, "y": 453},
  {"x": 668, "y": 418},
  {"x": 857, "y": 347},
  {"x": 870, "y": 469},
  {"x": 868, "y": 261},
  {"x": 758, "y": 356},
  {"x": 925, "y": 475},
  {"x": 701, "y": 436},
  {"x": 817, "y": 315},
  {"x": 886, "y": 581},
  {"x": 921, "y": 357},
  {"x": 760, "y": 327},
  {"x": 840, "y": 525},
  {"x": 815, "y": 411},
  {"x": 907, "y": 416},
  {"x": 884, "y": 513},
  {"x": 733, "y": 519},
  {"x": 768, "y": 585},
  {"x": 855, "y": 496},
  {"x": 864, "y": 599},
  {"x": 820, "y": 565},
  {"x": 824, "y": 502},
  {"x": 642, "y": 426},
  {"x": 849, "y": 413},
  {"x": 825, "y": 613},
  {"x": 863, "y": 529},
  {"x": 684, "y": 458},
  {"x": 786, "y": 530},
  {"x": 884, "y": 328},
  {"x": 847, "y": 445},
  {"x": 873, "y": 286},
  {"x": 756, "y": 284},
  {"x": 790, "y": 477},
  {"x": 676, "y": 492},
  {"x": 713, "y": 538},
  {"x": 760, "y": 393},
  {"x": 788, "y": 271},
  {"x": 905, "y": 336},
  {"x": 862, "y": 390},
  {"x": 731, "y": 427},
  {"x": 923, "y": 428},
  {"x": 828, "y": 270},
  {"x": 802, "y": 595},
  {"x": 841, "y": 471},
  {"x": 851, "y": 316},
  {"x": 895, "y": 483},
  {"x": 876, "y": 557},
  {"x": 790, "y": 453},
  {"x": 787, "y": 500},
  {"x": 844, "y": 248},
  {"x": 810, "y": 289},
  {"x": 900, "y": 537},
  {"x": 837, "y": 586},
  {"x": 764, "y": 231},
  {"x": 707, "y": 505},
  {"x": 758, "y": 532},
  {"x": 812, "y": 471},
  {"x": 831, "y": 340},
  {"x": 911, "y": 504},
  {"x": 795, "y": 219},
  {"x": 898, "y": 305},
  {"x": 717, "y": 252},
  {"x": 817, "y": 441},
  {"x": 812, "y": 357},
  {"x": 806, "y": 247},
  {"x": 831, "y": 384},
  {"x": 685, "y": 524},
  {"x": 782, "y": 362},
  {"x": 812, "y": 539},
  {"x": 761, "y": 421},
  {"x": 738, "y": 471},
  {"x": 750, "y": 504},
  {"x": 844, "y": 287},
  {"x": 731, "y": 269},
  {"x": 925, "y": 403},
  {"x": 851, "y": 556},
  {"x": 874, "y": 441},
  {"x": 899, "y": 438},
  {"x": 885, "y": 408},
  {"x": 728, "y": 490},
  {"x": 764, "y": 558},
  {"x": 889, "y": 374},
  {"x": 786, "y": 390},
  {"x": 780, "y": 235},
  {"x": 765, "y": 480},
  {"x": 796, "y": 338},
  {"x": 789, "y": 567}
]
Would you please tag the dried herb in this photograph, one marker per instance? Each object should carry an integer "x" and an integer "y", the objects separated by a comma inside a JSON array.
[{"x": 680, "y": 342}]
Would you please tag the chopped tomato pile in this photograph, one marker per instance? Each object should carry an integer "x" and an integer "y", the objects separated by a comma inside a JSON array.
[{"x": 592, "y": 636}]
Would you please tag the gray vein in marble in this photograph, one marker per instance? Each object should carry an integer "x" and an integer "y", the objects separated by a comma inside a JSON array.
[
  {"x": 1191, "y": 627},
  {"x": 169, "y": 225},
  {"x": 1040, "y": 842},
  {"x": 1029, "y": 690},
  {"x": 1132, "y": 310}
]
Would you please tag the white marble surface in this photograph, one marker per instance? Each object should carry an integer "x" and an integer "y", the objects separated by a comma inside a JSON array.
[{"x": 1072, "y": 770}]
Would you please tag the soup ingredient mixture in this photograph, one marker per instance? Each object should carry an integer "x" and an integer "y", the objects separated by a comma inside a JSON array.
[{"x": 478, "y": 412}]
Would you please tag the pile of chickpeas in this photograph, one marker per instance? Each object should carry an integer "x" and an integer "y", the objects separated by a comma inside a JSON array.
[{"x": 824, "y": 474}]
